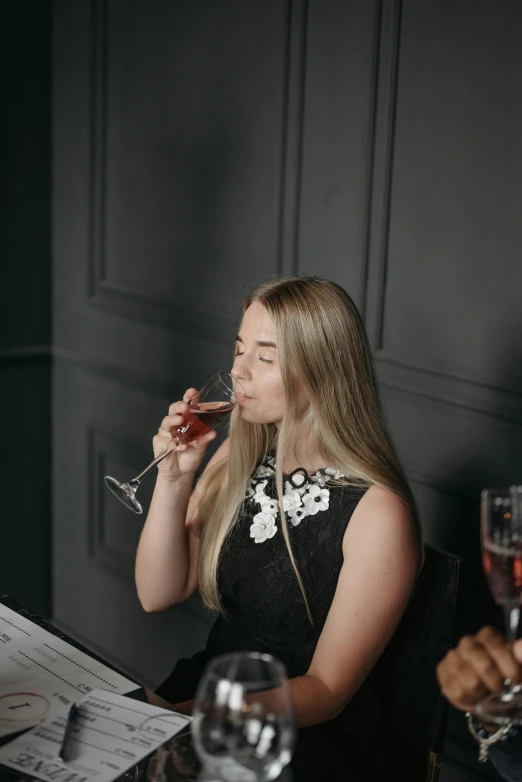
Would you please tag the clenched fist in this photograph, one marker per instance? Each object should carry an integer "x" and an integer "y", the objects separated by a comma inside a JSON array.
[{"x": 478, "y": 667}]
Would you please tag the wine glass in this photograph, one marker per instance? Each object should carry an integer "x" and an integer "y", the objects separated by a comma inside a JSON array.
[
  {"x": 501, "y": 538},
  {"x": 243, "y": 724},
  {"x": 212, "y": 404}
]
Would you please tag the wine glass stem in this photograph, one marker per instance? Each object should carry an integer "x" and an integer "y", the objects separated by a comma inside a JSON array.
[
  {"x": 511, "y": 620},
  {"x": 135, "y": 482}
]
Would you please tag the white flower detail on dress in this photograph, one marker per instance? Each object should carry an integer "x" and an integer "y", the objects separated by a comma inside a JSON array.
[
  {"x": 317, "y": 499},
  {"x": 263, "y": 527},
  {"x": 268, "y": 505},
  {"x": 260, "y": 495},
  {"x": 334, "y": 473},
  {"x": 296, "y": 515},
  {"x": 304, "y": 495},
  {"x": 301, "y": 490},
  {"x": 263, "y": 471},
  {"x": 291, "y": 499}
]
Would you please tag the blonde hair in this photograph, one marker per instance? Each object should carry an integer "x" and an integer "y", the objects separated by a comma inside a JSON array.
[{"x": 323, "y": 349}]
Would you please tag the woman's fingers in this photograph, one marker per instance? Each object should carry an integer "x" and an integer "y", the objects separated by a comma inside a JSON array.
[
  {"x": 182, "y": 407},
  {"x": 191, "y": 395},
  {"x": 204, "y": 440},
  {"x": 179, "y": 408},
  {"x": 200, "y": 443},
  {"x": 169, "y": 422}
]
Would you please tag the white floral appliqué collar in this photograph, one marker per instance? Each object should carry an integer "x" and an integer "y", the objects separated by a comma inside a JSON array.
[{"x": 304, "y": 495}]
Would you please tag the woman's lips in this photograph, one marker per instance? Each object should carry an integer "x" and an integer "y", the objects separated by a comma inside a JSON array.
[{"x": 243, "y": 399}]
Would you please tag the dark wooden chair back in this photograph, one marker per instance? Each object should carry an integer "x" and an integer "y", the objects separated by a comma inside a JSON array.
[{"x": 415, "y": 712}]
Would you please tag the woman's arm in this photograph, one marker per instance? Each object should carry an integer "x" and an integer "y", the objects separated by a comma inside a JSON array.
[
  {"x": 381, "y": 558},
  {"x": 168, "y": 552}
]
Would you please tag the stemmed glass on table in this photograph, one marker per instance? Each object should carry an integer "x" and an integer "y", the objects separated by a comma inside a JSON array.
[
  {"x": 501, "y": 539},
  {"x": 213, "y": 404},
  {"x": 243, "y": 725}
]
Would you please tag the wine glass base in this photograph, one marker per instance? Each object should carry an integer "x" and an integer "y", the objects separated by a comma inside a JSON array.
[
  {"x": 125, "y": 493},
  {"x": 503, "y": 708}
]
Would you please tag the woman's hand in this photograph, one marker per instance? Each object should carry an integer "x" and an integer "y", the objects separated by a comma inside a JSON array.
[
  {"x": 184, "y": 459},
  {"x": 478, "y": 667}
]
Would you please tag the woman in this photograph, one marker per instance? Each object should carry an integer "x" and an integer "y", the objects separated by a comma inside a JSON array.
[{"x": 302, "y": 531}]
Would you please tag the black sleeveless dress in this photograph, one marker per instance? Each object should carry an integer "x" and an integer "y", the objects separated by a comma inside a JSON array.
[{"x": 265, "y": 612}]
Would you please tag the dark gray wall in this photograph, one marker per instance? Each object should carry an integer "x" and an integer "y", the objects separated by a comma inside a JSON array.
[
  {"x": 444, "y": 271},
  {"x": 199, "y": 148},
  {"x": 25, "y": 303}
]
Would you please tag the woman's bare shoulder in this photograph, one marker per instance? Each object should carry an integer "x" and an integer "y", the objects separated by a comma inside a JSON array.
[
  {"x": 382, "y": 500},
  {"x": 384, "y": 517}
]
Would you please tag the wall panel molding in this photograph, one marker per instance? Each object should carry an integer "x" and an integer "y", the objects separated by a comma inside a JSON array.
[
  {"x": 342, "y": 49},
  {"x": 104, "y": 444},
  {"x": 112, "y": 296},
  {"x": 459, "y": 392},
  {"x": 122, "y": 374},
  {"x": 371, "y": 153},
  {"x": 103, "y": 292},
  {"x": 292, "y": 137},
  {"x": 382, "y": 169},
  {"x": 23, "y": 354},
  {"x": 401, "y": 365},
  {"x": 402, "y": 369}
]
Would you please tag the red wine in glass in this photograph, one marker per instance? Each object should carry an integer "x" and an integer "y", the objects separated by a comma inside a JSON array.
[
  {"x": 212, "y": 404},
  {"x": 503, "y": 569},
  {"x": 501, "y": 540},
  {"x": 203, "y": 417}
]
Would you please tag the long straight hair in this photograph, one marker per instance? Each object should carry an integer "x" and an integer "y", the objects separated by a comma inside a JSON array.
[{"x": 323, "y": 349}]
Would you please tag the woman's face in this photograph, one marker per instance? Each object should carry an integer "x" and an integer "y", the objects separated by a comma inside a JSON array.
[{"x": 256, "y": 366}]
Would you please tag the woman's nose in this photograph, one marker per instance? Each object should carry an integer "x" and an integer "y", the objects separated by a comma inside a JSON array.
[{"x": 240, "y": 369}]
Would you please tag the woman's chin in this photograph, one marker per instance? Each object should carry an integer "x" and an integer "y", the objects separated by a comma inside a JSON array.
[
  {"x": 248, "y": 415},
  {"x": 251, "y": 417}
]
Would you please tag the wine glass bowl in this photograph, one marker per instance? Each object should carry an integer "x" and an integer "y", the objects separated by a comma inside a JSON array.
[
  {"x": 201, "y": 419},
  {"x": 243, "y": 725}
]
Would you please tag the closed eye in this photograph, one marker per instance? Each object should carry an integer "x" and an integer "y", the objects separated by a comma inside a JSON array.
[{"x": 264, "y": 360}]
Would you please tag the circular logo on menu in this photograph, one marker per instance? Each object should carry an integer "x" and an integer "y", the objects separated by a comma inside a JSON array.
[{"x": 23, "y": 707}]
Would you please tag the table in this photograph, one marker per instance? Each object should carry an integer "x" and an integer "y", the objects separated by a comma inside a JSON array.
[{"x": 175, "y": 761}]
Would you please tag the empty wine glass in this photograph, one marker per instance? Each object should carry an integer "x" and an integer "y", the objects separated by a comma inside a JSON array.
[
  {"x": 243, "y": 724},
  {"x": 212, "y": 404},
  {"x": 501, "y": 539}
]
